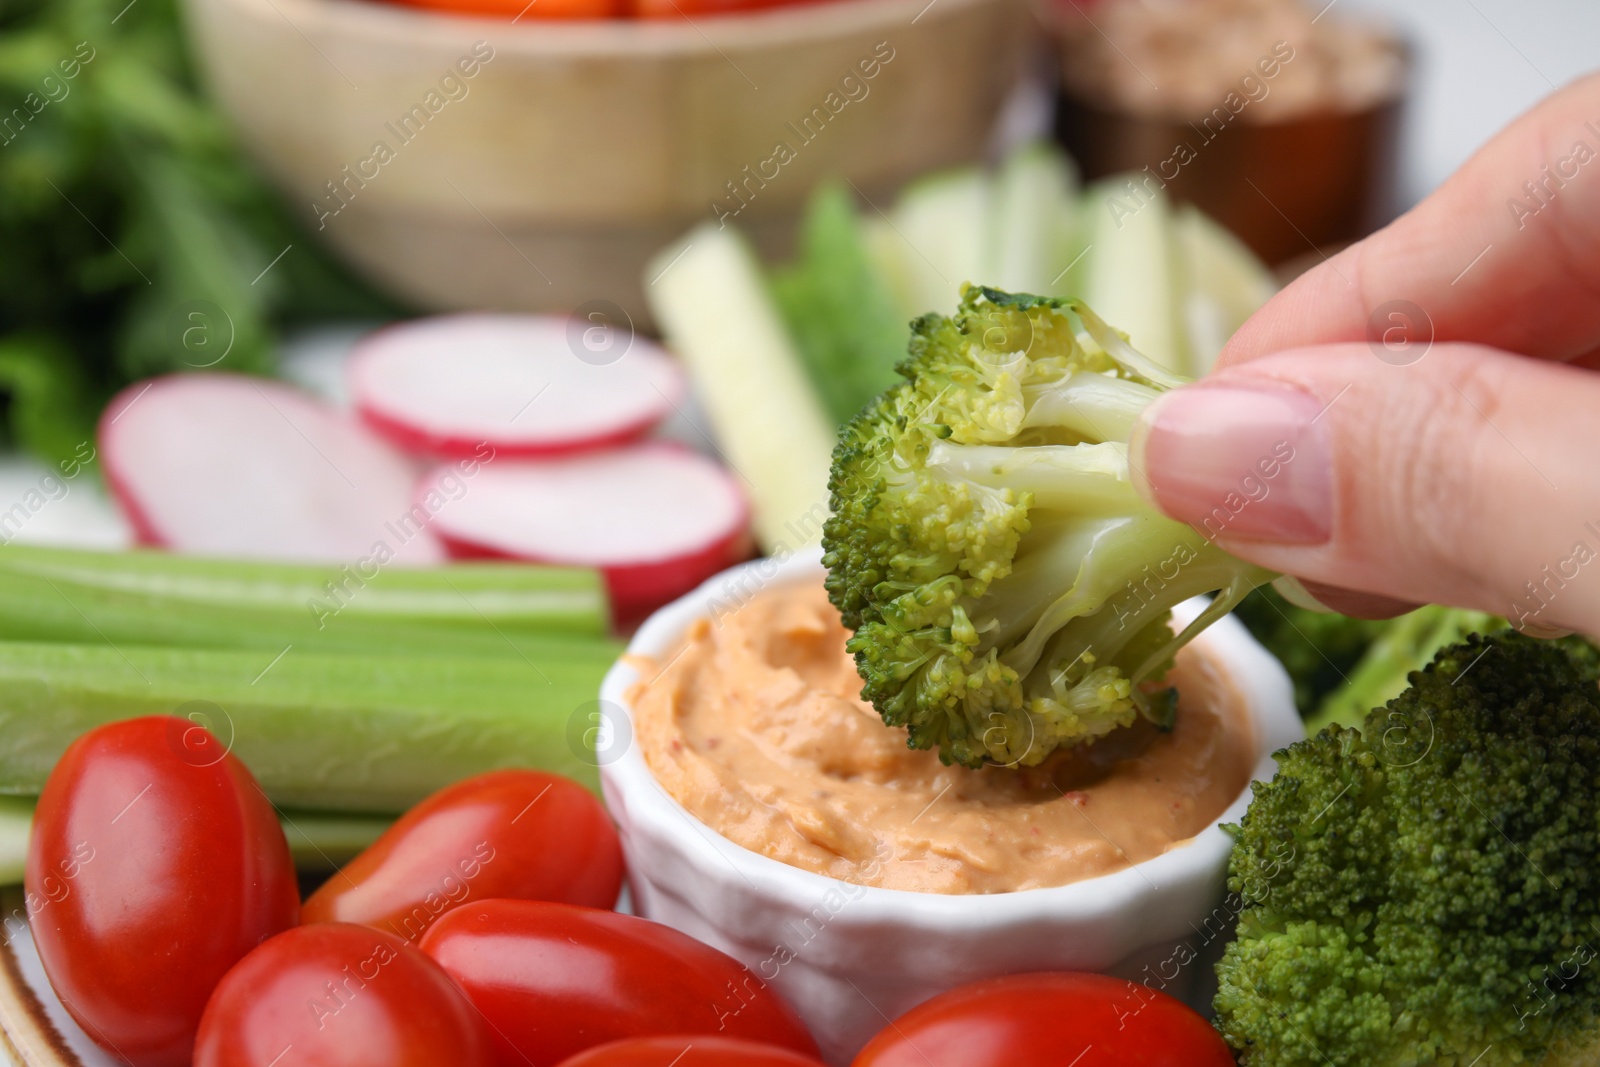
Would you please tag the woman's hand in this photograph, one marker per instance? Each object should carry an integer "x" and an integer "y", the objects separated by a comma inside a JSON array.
[{"x": 1418, "y": 418}]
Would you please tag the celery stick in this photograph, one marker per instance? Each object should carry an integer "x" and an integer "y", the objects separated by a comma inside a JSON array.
[
  {"x": 1035, "y": 213},
  {"x": 710, "y": 297},
  {"x": 16, "y": 823},
  {"x": 1130, "y": 269},
  {"x": 317, "y": 840},
  {"x": 49, "y": 594},
  {"x": 334, "y": 732}
]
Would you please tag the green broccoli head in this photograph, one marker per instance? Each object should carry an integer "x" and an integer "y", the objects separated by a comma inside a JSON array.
[
  {"x": 1427, "y": 890},
  {"x": 1009, "y": 590}
]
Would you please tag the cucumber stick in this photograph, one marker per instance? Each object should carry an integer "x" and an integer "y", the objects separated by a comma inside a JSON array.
[
  {"x": 943, "y": 223},
  {"x": 151, "y": 598},
  {"x": 883, "y": 247},
  {"x": 337, "y": 732},
  {"x": 1131, "y": 272},
  {"x": 710, "y": 296},
  {"x": 1224, "y": 281},
  {"x": 317, "y": 840},
  {"x": 1035, "y": 222}
]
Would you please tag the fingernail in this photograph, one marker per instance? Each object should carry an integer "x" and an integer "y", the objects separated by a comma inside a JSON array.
[{"x": 1238, "y": 460}]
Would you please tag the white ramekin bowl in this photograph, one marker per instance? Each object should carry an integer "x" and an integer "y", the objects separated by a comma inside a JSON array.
[{"x": 850, "y": 957}]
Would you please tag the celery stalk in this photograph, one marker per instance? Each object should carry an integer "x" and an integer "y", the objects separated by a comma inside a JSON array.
[
  {"x": 152, "y": 598},
  {"x": 16, "y": 823},
  {"x": 337, "y": 732},
  {"x": 317, "y": 840}
]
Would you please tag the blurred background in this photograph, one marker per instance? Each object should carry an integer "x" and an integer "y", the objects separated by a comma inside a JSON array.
[{"x": 750, "y": 197}]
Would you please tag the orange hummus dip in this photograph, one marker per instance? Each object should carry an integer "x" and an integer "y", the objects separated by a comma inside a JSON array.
[{"x": 755, "y": 726}]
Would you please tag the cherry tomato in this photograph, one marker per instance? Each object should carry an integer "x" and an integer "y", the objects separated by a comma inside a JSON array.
[
  {"x": 691, "y": 1050},
  {"x": 340, "y": 995},
  {"x": 516, "y": 834},
  {"x": 554, "y": 980},
  {"x": 524, "y": 10},
  {"x": 1087, "y": 1020},
  {"x": 155, "y": 864}
]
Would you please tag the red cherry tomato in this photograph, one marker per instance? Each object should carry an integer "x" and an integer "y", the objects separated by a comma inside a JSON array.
[
  {"x": 555, "y": 979},
  {"x": 692, "y": 1050},
  {"x": 156, "y": 863},
  {"x": 340, "y": 995},
  {"x": 1087, "y": 1020},
  {"x": 515, "y": 834}
]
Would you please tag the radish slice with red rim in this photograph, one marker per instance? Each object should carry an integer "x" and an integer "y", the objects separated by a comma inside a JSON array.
[
  {"x": 230, "y": 465},
  {"x": 525, "y": 385},
  {"x": 657, "y": 519}
]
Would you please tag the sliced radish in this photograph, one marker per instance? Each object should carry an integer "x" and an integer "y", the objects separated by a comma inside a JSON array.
[
  {"x": 656, "y": 519},
  {"x": 526, "y": 385},
  {"x": 230, "y": 465}
]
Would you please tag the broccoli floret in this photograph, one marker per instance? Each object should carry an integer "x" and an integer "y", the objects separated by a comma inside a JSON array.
[
  {"x": 1009, "y": 590},
  {"x": 1426, "y": 890}
]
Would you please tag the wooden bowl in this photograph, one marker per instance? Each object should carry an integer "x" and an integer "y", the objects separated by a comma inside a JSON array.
[{"x": 546, "y": 177}]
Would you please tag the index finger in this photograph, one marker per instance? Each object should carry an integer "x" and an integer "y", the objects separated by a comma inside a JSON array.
[{"x": 1505, "y": 253}]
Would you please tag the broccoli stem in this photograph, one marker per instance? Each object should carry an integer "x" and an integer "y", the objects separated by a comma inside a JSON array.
[
  {"x": 1082, "y": 479},
  {"x": 1068, "y": 634},
  {"x": 1089, "y": 404}
]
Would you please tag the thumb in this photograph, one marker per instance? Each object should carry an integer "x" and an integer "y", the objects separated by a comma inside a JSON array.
[{"x": 1468, "y": 477}]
